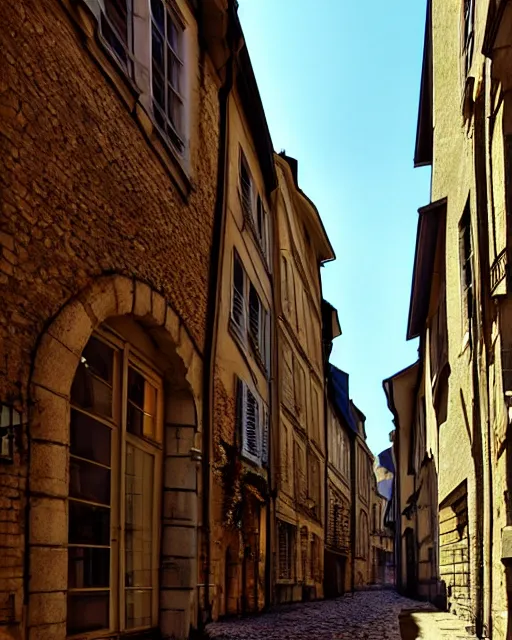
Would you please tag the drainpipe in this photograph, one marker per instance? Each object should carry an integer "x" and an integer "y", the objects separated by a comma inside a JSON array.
[
  {"x": 274, "y": 409},
  {"x": 214, "y": 286}
]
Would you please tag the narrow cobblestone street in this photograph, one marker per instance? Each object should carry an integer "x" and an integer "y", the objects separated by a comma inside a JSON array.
[{"x": 366, "y": 615}]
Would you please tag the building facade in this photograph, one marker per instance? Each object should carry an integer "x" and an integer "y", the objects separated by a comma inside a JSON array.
[
  {"x": 364, "y": 477},
  {"x": 460, "y": 306},
  {"x": 136, "y": 336},
  {"x": 339, "y": 543},
  {"x": 381, "y": 541},
  {"x": 240, "y": 516},
  {"x": 298, "y": 438},
  {"x": 110, "y": 164}
]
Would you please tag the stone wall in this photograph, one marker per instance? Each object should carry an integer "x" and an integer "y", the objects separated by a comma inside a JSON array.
[{"x": 84, "y": 192}]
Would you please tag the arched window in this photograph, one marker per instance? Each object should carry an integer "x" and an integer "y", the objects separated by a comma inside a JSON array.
[
  {"x": 115, "y": 489},
  {"x": 363, "y": 539}
]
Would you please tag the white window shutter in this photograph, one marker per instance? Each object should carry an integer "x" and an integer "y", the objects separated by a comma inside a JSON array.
[
  {"x": 240, "y": 407},
  {"x": 255, "y": 312},
  {"x": 238, "y": 305},
  {"x": 251, "y": 440}
]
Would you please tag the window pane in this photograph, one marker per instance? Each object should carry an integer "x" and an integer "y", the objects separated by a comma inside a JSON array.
[
  {"x": 88, "y": 481},
  {"x": 172, "y": 33},
  {"x": 89, "y": 438},
  {"x": 88, "y": 568},
  {"x": 173, "y": 70},
  {"x": 138, "y": 524},
  {"x": 87, "y": 612},
  {"x": 174, "y": 107},
  {"x": 158, "y": 12},
  {"x": 142, "y": 406},
  {"x": 99, "y": 359},
  {"x": 138, "y": 609},
  {"x": 92, "y": 386},
  {"x": 88, "y": 524},
  {"x": 157, "y": 50}
]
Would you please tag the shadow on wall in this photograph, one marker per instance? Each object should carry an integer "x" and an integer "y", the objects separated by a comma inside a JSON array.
[{"x": 508, "y": 502}]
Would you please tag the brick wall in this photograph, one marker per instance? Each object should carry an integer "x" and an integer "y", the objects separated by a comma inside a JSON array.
[{"x": 82, "y": 193}]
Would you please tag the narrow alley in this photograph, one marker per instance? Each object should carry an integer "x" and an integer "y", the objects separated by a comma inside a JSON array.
[{"x": 364, "y": 615}]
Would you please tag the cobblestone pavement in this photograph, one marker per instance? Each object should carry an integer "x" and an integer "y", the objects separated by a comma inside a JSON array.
[{"x": 366, "y": 615}]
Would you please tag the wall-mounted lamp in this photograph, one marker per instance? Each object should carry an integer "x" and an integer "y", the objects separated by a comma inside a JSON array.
[{"x": 10, "y": 420}]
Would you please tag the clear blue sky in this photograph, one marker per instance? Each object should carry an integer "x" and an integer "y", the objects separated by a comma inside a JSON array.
[{"x": 339, "y": 82}]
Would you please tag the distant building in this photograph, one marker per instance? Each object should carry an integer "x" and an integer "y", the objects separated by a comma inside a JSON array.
[
  {"x": 298, "y": 441},
  {"x": 339, "y": 524}
]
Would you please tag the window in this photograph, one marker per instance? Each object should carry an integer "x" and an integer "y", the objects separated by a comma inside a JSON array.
[
  {"x": 287, "y": 381},
  {"x": 468, "y": 35},
  {"x": 253, "y": 208},
  {"x": 116, "y": 29},
  {"x": 315, "y": 418},
  {"x": 167, "y": 71},
  {"x": 304, "y": 541},
  {"x": 285, "y": 456},
  {"x": 466, "y": 268},
  {"x": 286, "y": 550},
  {"x": 315, "y": 571},
  {"x": 246, "y": 187},
  {"x": 300, "y": 392},
  {"x": 253, "y": 424},
  {"x": 114, "y": 491},
  {"x": 299, "y": 467},
  {"x": 363, "y": 540},
  {"x": 314, "y": 484},
  {"x": 249, "y": 318}
]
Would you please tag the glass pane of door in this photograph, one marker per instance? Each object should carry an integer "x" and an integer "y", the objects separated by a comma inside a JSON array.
[{"x": 139, "y": 501}]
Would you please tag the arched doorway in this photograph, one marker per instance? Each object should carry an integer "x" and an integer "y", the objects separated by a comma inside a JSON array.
[{"x": 113, "y": 477}]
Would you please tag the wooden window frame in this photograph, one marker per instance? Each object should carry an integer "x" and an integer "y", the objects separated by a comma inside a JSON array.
[{"x": 125, "y": 356}]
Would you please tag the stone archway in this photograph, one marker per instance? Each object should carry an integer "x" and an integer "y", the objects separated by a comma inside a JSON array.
[{"x": 56, "y": 361}]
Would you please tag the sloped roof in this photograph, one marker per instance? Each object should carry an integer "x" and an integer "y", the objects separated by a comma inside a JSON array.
[{"x": 339, "y": 395}]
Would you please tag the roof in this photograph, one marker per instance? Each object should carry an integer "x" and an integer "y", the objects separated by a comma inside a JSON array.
[
  {"x": 314, "y": 221},
  {"x": 339, "y": 394},
  {"x": 330, "y": 320},
  {"x": 423, "y": 152},
  {"x": 255, "y": 114},
  {"x": 429, "y": 221}
]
